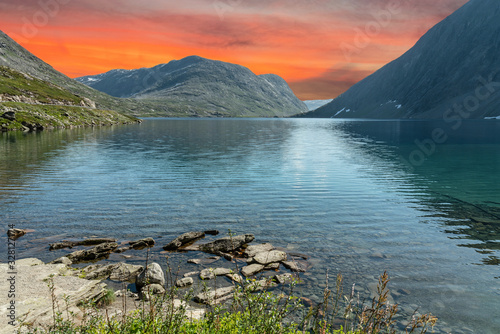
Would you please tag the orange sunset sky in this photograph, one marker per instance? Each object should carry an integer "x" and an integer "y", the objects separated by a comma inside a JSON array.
[{"x": 320, "y": 47}]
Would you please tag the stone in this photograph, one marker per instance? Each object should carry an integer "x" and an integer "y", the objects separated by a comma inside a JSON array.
[
  {"x": 270, "y": 257},
  {"x": 96, "y": 253},
  {"x": 211, "y": 297},
  {"x": 227, "y": 244},
  {"x": 64, "y": 260},
  {"x": 272, "y": 266},
  {"x": 183, "y": 239},
  {"x": 155, "y": 289},
  {"x": 125, "y": 272},
  {"x": 128, "y": 293},
  {"x": 191, "y": 273},
  {"x": 33, "y": 297},
  {"x": 204, "y": 261},
  {"x": 153, "y": 274},
  {"x": 142, "y": 243},
  {"x": 212, "y": 232},
  {"x": 252, "y": 269},
  {"x": 235, "y": 277},
  {"x": 222, "y": 271},
  {"x": 15, "y": 233},
  {"x": 293, "y": 266},
  {"x": 183, "y": 282},
  {"x": 85, "y": 242},
  {"x": 207, "y": 274},
  {"x": 252, "y": 250},
  {"x": 283, "y": 278}
]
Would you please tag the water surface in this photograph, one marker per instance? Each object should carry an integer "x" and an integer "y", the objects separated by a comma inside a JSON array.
[{"x": 358, "y": 197}]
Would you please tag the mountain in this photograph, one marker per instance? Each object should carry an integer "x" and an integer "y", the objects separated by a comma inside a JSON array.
[
  {"x": 315, "y": 104},
  {"x": 28, "y": 104},
  {"x": 452, "y": 73},
  {"x": 16, "y": 57},
  {"x": 202, "y": 86}
]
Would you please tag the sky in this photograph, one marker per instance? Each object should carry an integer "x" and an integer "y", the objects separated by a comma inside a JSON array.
[{"x": 320, "y": 47}]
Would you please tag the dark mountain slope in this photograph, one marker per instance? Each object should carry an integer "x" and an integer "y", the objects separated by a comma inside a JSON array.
[{"x": 452, "y": 71}]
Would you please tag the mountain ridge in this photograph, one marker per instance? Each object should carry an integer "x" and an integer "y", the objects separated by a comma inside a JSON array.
[
  {"x": 452, "y": 72},
  {"x": 206, "y": 85}
]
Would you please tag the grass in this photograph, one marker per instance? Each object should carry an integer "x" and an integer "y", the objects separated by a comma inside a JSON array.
[{"x": 253, "y": 310}]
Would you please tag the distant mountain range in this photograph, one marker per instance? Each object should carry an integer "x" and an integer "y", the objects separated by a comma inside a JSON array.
[
  {"x": 453, "y": 72},
  {"x": 202, "y": 86},
  {"x": 315, "y": 104}
]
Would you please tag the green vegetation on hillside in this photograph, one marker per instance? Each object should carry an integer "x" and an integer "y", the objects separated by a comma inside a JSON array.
[
  {"x": 13, "y": 83},
  {"x": 28, "y": 104}
]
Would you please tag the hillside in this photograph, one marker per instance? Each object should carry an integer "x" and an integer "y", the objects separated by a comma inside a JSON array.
[
  {"x": 203, "y": 87},
  {"x": 452, "y": 72},
  {"x": 28, "y": 103}
]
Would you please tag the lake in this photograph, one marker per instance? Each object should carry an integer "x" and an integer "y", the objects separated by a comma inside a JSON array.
[{"x": 419, "y": 199}]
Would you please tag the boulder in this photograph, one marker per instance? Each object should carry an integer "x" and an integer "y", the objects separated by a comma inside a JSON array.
[
  {"x": 270, "y": 257},
  {"x": 211, "y": 297},
  {"x": 293, "y": 266},
  {"x": 206, "y": 274},
  {"x": 183, "y": 282},
  {"x": 252, "y": 250},
  {"x": 154, "y": 289},
  {"x": 182, "y": 240},
  {"x": 15, "y": 233},
  {"x": 252, "y": 269},
  {"x": 96, "y": 253},
  {"x": 152, "y": 275},
  {"x": 227, "y": 244}
]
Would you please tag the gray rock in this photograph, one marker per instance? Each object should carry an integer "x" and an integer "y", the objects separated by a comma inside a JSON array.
[
  {"x": 183, "y": 282},
  {"x": 183, "y": 240},
  {"x": 227, "y": 244},
  {"x": 235, "y": 277},
  {"x": 15, "y": 233},
  {"x": 125, "y": 272},
  {"x": 252, "y": 250},
  {"x": 222, "y": 271},
  {"x": 96, "y": 253},
  {"x": 272, "y": 266},
  {"x": 207, "y": 274},
  {"x": 204, "y": 261},
  {"x": 128, "y": 293},
  {"x": 211, "y": 297},
  {"x": 252, "y": 269},
  {"x": 270, "y": 257},
  {"x": 212, "y": 232},
  {"x": 283, "y": 278},
  {"x": 142, "y": 243},
  {"x": 293, "y": 266},
  {"x": 191, "y": 273},
  {"x": 155, "y": 289},
  {"x": 63, "y": 260},
  {"x": 152, "y": 275}
]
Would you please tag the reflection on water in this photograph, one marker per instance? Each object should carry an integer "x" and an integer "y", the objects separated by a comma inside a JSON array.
[{"x": 358, "y": 197}]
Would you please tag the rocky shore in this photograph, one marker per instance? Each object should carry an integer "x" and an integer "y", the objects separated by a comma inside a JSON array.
[{"x": 222, "y": 264}]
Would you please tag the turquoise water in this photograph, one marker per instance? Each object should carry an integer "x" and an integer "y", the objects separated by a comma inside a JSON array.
[{"x": 358, "y": 197}]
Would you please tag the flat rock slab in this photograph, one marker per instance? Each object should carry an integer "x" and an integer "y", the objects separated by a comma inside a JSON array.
[
  {"x": 33, "y": 295},
  {"x": 252, "y": 250},
  {"x": 252, "y": 269},
  {"x": 270, "y": 257},
  {"x": 85, "y": 242},
  {"x": 211, "y": 297},
  {"x": 96, "y": 253},
  {"x": 122, "y": 272}
]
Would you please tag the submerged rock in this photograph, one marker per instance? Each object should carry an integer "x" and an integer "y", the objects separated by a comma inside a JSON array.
[
  {"x": 183, "y": 239},
  {"x": 293, "y": 266}
]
